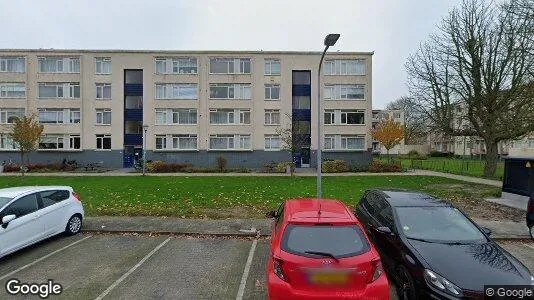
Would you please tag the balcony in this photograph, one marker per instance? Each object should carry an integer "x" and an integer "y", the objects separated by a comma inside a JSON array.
[
  {"x": 301, "y": 90},
  {"x": 301, "y": 115},
  {"x": 133, "y": 139},
  {"x": 133, "y": 89},
  {"x": 133, "y": 114}
]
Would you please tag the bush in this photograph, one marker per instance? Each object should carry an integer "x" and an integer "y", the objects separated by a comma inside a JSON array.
[
  {"x": 378, "y": 166},
  {"x": 358, "y": 168},
  {"x": 40, "y": 168},
  {"x": 281, "y": 167},
  {"x": 163, "y": 167},
  {"x": 269, "y": 167},
  {"x": 221, "y": 164},
  {"x": 435, "y": 153},
  {"x": 335, "y": 166},
  {"x": 413, "y": 154}
]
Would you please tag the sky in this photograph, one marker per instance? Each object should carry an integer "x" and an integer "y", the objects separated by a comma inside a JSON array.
[{"x": 393, "y": 29}]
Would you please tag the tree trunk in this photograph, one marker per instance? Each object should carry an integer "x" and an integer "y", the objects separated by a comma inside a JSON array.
[
  {"x": 22, "y": 162},
  {"x": 492, "y": 157}
]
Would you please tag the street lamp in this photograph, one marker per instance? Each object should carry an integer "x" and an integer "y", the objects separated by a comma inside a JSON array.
[
  {"x": 329, "y": 40},
  {"x": 145, "y": 128}
]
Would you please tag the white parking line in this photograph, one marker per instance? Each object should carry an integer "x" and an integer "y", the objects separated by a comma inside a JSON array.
[
  {"x": 42, "y": 258},
  {"x": 530, "y": 246},
  {"x": 118, "y": 281},
  {"x": 241, "y": 290}
]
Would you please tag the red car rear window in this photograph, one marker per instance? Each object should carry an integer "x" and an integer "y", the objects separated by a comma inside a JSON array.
[{"x": 340, "y": 241}]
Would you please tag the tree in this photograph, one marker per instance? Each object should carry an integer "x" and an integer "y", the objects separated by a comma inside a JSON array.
[
  {"x": 26, "y": 132},
  {"x": 477, "y": 71},
  {"x": 289, "y": 141},
  {"x": 415, "y": 121},
  {"x": 389, "y": 133}
]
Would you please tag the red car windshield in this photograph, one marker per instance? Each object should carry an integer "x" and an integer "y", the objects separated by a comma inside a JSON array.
[{"x": 320, "y": 240}]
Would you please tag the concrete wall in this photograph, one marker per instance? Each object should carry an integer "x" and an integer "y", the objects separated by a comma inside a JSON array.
[
  {"x": 109, "y": 158},
  {"x": 247, "y": 159}
]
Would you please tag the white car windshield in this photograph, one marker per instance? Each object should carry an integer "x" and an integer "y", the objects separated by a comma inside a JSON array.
[
  {"x": 438, "y": 224},
  {"x": 4, "y": 201}
]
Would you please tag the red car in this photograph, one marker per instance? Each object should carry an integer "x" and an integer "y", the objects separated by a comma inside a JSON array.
[{"x": 320, "y": 251}]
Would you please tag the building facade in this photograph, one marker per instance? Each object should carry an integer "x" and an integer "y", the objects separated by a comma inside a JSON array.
[{"x": 196, "y": 105}]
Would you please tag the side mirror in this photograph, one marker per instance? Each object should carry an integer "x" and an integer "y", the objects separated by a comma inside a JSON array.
[
  {"x": 271, "y": 214},
  {"x": 7, "y": 219},
  {"x": 486, "y": 230},
  {"x": 384, "y": 230}
]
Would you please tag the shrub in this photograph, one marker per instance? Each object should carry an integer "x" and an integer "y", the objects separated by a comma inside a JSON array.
[
  {"x": 378, "y": 166},
  {"x": 221, "y": 164},
  {"x": 358, "y": 168},
  {"x": 335, "y": 166},
  {"x": 281, "y": 166},
  {"x": 413, "y": 154},
  {"x": 163, "y": 167},
  {"x": 40, "y": 168},
  {"x": 269, "y": 167}
]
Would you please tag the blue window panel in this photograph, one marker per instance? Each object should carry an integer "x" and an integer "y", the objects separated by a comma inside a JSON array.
[
  {"x": 133, "y": 89},
  {"x": 133, "y": 139},
  {"x": 301, "y": 90},
  {"x": 302, "y": 115},
  {"x": 133, "y": 114}
]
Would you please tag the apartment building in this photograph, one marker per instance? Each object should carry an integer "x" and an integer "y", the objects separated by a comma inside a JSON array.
[{"x": 97, "y": 105}]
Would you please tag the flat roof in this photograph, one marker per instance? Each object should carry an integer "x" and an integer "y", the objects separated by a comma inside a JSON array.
[{"x": 52, "y": 50}]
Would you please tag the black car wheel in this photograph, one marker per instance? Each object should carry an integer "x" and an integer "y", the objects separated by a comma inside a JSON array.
[{"x": 405, "y": 284}]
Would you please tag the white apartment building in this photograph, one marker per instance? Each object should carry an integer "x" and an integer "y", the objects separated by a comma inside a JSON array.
[{"x": 195, "y": 105}]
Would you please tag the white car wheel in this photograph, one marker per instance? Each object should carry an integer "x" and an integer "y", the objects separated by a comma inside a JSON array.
[{"x": 74, "y": 225}]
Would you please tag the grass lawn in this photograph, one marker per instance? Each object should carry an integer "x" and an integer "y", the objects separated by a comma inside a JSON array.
[
  {"x": 468, "y": 167},
  {"x": 247, "y": 196}
]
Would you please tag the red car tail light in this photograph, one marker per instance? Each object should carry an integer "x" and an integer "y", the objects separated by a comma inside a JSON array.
[
  {"x": 277, "y": 268},
  {"x": 76, "y": 196},
  {"x": 376, "y": 270}
]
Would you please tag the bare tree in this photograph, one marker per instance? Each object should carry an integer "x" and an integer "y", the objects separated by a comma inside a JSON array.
[
  {"x": 477, "y": 68},
  {"x": 290, "y": 139},
  {"x": 416, "y": 126}
]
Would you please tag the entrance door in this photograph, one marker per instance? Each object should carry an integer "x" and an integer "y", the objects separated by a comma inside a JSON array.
[
  {"x": 128, "y": 157},
  {"x": 305, "y": 152}
]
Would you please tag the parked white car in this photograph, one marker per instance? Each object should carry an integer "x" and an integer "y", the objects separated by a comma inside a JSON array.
[{"x": 33, "y": 213}]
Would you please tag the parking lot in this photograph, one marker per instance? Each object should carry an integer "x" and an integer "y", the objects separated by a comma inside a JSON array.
[{"x": 154, "y": 267}]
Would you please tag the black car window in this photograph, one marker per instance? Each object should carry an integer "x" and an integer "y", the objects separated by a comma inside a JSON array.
[
  {"x": 21, "y": 207},
  {"x": 385, "y": 216},
  {"x": 369, "y": 203},
  {"x": 53, "y": 197}
]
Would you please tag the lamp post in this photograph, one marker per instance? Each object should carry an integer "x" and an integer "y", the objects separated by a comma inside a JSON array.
[
  {"x": 329, "y": 40},
  {"x": 145, "y": 128}
]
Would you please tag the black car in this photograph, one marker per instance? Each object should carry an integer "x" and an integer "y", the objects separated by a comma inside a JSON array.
[
  {"x": 433, "y": 250},
  {"x": 530, "y": 216}
]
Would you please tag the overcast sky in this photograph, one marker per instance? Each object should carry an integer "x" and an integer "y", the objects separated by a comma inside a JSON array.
[{"x": 391, "y": 28}]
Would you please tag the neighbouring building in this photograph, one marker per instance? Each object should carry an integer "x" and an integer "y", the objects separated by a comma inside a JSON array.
[{"x": 195, "y": 105}]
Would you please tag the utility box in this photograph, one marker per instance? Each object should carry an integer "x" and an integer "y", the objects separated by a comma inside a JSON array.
[{"x": 518, "y": 181}]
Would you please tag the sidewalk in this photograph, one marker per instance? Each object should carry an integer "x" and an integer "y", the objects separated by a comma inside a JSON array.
[{"x": 242, "y": 227}]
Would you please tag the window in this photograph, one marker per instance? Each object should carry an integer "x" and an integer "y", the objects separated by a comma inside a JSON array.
[
  {"x": 176, "y": 91},
  {"x": 344, "y": 92},
  {"x": 352, "y": 117},
  {"x": 272, "y": 117},
  {"x": 103, "y": 91},
  {"x": 230, "y": 142},
  {"x": 352, "y": 142},
  {"x": 340, "y": 241},
  {"x": 103, "y": 65},
  {"x": 230, "y": 91},
  {"x": 329, "y": 141},
  {"x": 21, "y": 207},
  {"x": 12, "y": 64},
  {"x": 52, "y": 64},
  {"x": 230, "y": 116},
  {"x": 272, "y": 92},
  {"x": 161, "y": 142},
  {"x": 103, "y": 116},
  {"x": 329, "y": 116},
  {"x": 177, "y": 65},
  {"x": 103, "y": 141},
  {"x": 59, "y": 90},
  {"x": 74, "y": 141},
  {"x": 184, "y": 141},
  {"x": 182, "y": 116},
  {"x": 6, "y": 143},
  {"x": 10, "y": 115},
  {"x": 272, "y": 67},
  {"x": 52, "y": 197},
  {"x": 344, "y": 142},
  {"x": 12, "y": 90},
  {"x": 272, "y": 142},
  {"x": 344, "y": 67},
  {"x": 57, "y": 116},
  {"x": 230, "y": 65},
  {"x": 51, "y": 142}
]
